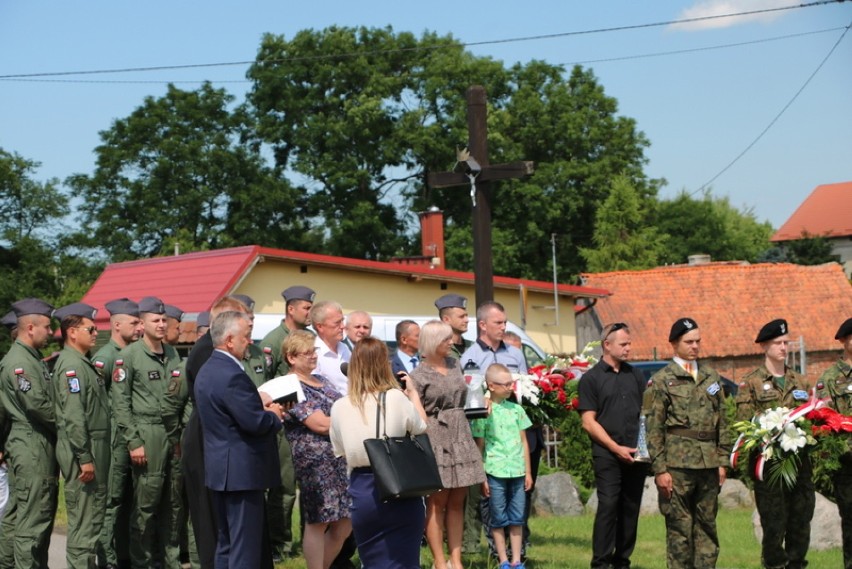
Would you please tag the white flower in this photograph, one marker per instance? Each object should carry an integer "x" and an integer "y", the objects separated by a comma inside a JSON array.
[
  {"x": 773, "y": 419},
  {"x": 525, "y": 388},
  {"x": 793, "y": 438}
]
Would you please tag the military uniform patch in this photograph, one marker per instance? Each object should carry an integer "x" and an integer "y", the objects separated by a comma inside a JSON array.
[
  {"x": 24, "y": 384},
  {"x": 173, "y": 385},
  {"x": 820, "y": 385},
  {"x": 713, "y": 389},
  {"x": 175, "y": 373},
  {"x": 73, "y": 384},
  {"x": 258, "y": 369},
  {"x": 119, "y": 375},
  {"x": 19, "y": 371},
  {"x": 99, "y": 364},
  {"x": 153, "y": 375},
  {"x": 800, "y": 395}
]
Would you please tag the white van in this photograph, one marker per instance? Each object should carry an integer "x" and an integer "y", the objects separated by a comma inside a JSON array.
[{"x": 384, "y": 328}]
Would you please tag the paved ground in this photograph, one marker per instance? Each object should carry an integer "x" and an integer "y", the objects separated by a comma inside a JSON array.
[{"x": 56, "y": 556}]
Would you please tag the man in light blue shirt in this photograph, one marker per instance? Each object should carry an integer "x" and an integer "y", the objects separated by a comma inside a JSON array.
[{"x": 489, "y": 347}]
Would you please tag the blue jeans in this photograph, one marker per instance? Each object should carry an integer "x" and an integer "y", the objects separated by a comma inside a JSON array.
[{"x": 507, "y": 501}]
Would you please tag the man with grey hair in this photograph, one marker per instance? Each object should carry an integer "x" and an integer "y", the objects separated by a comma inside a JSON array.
[
  {"x": 240, "y": 448},
  {"x": 327, "y": 319},
  {"x": 359, "y": 325}
]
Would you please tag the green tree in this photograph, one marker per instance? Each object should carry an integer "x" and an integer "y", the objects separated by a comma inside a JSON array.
[
  {"x": 177, "y": 171},
  {"x": 808, "y": 250},
  {"x": 623, "y": 240},
  {"x": 364, "y": 114},
  {"x": 710, "y": 225},
  {"x": 26, "y": 205}
]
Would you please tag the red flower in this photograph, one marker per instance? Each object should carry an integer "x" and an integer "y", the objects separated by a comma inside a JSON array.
[
  {"x": 561, "y": 397},
  {"x": 575, "y": 403}
]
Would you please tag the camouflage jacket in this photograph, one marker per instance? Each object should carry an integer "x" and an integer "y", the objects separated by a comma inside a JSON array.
[
  {"x": 681, "y": 403},
  {"x": 758, "y": 392},
  {"x": 836, "y": 384}
]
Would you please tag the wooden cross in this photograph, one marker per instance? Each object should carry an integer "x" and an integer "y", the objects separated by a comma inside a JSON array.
[{"x": 479, "y": 173}]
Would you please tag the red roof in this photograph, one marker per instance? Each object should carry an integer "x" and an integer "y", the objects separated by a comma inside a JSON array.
[
  {"x": 195, "y": 280},
  {"x": 729, "y": 302},
  {"x": 826, "y": 212}
]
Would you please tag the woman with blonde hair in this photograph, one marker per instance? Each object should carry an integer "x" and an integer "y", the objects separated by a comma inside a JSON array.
[
  {"x": 388, "y": 533},
  {"x": 443, "y": 391},
  {"x": 322, "y": 476}
]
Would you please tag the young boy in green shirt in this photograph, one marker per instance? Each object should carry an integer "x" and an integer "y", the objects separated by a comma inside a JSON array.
[{"x": 506, "y": 456}]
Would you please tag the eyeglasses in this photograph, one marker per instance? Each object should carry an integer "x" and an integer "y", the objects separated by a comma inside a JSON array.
[{"x": 89, "y": 329}]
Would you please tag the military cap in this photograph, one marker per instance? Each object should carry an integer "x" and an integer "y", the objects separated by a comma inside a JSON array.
[
  {"x": 76, "y": 309},
  {"x": 451, "y": 301},
  {"x": 122, "y": 306},
  {"x": 174, "y": 312},
  {"x": 32, "y": 306},
  {"x": 247, "y": 300},
  {"x": 298, "y": 293},
  {"x": 10, "y": 321},
  {"x": 844, "y": 330},
  {"x": 203, "y": 319},
  {"x": 771, "y": 331},
  {"x": 152, "y": 304},
  {"x": 681, "y": 327}
]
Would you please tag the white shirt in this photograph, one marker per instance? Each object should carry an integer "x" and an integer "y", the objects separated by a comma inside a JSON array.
[
  {"x": 693, "y": 364},
  {"x": 328, "y": 364},
  {"x": 349, "y": 428}
]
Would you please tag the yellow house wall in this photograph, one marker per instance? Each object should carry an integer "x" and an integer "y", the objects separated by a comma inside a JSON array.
[{"x": 381, "y": 293}]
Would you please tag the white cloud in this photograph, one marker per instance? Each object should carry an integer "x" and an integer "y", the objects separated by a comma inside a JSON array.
[{"x": 707, "y": 8}]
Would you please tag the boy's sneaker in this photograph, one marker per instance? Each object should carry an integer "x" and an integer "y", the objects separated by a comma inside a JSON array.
[
  {"x": 519, "y": 566},
  {"x": 505, "y": 565}
]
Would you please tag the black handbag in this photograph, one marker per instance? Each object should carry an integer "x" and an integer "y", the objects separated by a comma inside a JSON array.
[{"x": 403, "y": 467}]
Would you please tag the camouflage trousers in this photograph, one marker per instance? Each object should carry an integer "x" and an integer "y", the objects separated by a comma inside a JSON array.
[
  {"x": 843, "y": 494},
  {"x": 691, "y": 538},
  {"x": 785, "y": 516}
]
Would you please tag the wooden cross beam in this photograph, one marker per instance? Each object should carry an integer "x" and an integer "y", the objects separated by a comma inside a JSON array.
[{"x": 484, "y": 173}]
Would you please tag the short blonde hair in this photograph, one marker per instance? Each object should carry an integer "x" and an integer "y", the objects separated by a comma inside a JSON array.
[
  {"x": 432, "y": 334},
  {"x": 297, "y": 342}
]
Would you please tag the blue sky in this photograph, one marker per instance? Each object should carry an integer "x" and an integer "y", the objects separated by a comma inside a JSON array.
[{"x": 698, "y": 109}]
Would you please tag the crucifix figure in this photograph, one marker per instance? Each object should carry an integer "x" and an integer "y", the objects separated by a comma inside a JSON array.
[{"x": 473, "y": 170}]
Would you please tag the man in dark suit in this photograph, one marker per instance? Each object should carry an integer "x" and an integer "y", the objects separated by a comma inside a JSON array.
[
  {"x": 407, "y": 343},
  {"x": 240, "y": 447},
  {"x": 201, "y": 512}
]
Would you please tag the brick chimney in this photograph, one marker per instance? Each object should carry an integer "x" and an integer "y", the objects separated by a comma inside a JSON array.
[{"x": 432, "y": 235}]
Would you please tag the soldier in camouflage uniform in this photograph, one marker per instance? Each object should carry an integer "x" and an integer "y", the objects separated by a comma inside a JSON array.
[
  {"x": 280, "y": 501},
  {"x": 140, "y": 382},
  {"x": 688, "y": 441},
  {"x": 27, "y": 396},
  {"x": 83, "y": 434},
  {"x": 125, "y": 328},
  {"x": 836, "y": 385},
  {"x": 785, "y": 513}
]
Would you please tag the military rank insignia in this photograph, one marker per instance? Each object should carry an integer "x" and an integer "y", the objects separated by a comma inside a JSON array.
[
  {"x": 73, "y": 381},
  {"x": 258, "y": 369},
  {"x": 713, "y": 389}
]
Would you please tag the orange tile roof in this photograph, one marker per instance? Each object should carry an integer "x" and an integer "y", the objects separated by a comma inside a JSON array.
[
  {"x": 827, "y": 211},
  {"x": 729, "y": 302}
]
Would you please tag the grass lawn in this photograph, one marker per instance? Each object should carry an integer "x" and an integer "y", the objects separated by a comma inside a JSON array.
[{"x": 566, "y": 543}]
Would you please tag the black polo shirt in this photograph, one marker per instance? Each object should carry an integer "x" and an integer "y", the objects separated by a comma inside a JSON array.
[{"x": 616, "y": 398}]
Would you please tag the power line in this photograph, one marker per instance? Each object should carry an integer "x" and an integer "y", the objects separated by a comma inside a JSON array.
[
  {"x": 425, "y": 48},
  {"x": 566, "y": 64},
  {"x": 778, "y": 116}
]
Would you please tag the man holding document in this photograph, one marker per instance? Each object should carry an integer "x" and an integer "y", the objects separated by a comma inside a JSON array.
[{"x": 240, "y": 449}]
